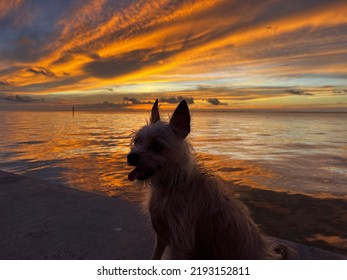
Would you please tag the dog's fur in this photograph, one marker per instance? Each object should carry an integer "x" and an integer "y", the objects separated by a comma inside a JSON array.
[{"x": 190, "y": 212}]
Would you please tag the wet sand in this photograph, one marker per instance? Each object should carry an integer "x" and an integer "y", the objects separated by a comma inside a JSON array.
[
  {"x": 39, "y": 220},
  {"x": 316, "y": 222},
  {"x": 46, "y": 221}
]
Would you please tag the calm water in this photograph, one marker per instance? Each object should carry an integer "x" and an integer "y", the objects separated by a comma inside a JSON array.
[{"x": 291, "y": 152}]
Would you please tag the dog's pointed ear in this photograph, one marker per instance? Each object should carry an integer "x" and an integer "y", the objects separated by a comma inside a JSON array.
[
  {"x": 155, "y": 113},
  {"x": 180, "y": 120}
]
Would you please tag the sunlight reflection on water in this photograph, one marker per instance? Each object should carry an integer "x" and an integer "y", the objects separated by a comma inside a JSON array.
[{"x": 305, "y": 153}]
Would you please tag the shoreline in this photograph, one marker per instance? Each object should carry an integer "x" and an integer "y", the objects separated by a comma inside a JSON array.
[{"x": 40, "y": 220}]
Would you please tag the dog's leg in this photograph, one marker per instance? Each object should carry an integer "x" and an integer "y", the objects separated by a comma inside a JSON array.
[{"x": 159, "y": 248}]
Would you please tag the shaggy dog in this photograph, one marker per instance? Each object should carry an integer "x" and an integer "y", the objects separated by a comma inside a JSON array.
[{"x": 190, "y": 211}]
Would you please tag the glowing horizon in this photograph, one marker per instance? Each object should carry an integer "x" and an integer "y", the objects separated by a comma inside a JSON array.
[{"x": 225, "y": 54}]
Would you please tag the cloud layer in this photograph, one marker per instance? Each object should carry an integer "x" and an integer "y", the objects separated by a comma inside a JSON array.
[{"x": 153, "y": 46}]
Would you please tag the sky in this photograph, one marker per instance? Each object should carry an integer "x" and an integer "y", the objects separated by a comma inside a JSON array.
[{"x": 217, "y": 54}]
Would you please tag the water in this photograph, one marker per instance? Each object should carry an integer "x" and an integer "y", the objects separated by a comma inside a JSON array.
[
  {"x": 292, "y": 152},
  {"x": 302, "y": 153},
  {"x": 290, "y": 169}
]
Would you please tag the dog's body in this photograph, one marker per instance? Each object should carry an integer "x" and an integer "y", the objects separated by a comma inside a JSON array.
[{"x": 190, "y": 212}]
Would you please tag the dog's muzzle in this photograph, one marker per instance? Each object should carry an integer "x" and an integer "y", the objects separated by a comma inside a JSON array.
[{"x": 139, "y": 172}]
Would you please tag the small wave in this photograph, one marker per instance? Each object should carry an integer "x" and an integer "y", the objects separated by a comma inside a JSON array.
[{"x": 31, "y": 142}]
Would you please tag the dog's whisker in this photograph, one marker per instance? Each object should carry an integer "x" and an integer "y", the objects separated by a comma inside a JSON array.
[{"x": 128, "y": 137}]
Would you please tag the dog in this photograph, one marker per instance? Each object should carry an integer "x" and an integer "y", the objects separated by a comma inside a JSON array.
[{"x": 190, "y": 211}]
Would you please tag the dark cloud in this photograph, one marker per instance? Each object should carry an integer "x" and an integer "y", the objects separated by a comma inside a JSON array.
[
  {"x": 10, "y": 69},
  {"x": 4, "y": 83},
  {"x": 22, "y": 99},
  {"x": 135, "y": 101},
  {"x": 215, "y": 101},
  {"x": 29, "y": 31},
  {"x": 133, "y": 61},
  {"x": 132, "y": 101},
  {"x": 63, "y": 59},
  {"x": 101, "y": 106},
  {"x": 116, "y": 66},
  {"x": 295, "y": 91},
  {"x": 41, "y": 71},
  {"x": 175, "y": 100},
  {"x": 298, "y": 92}
]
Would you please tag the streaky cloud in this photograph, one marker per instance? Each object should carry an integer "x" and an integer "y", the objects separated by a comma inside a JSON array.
[
  {"x": 229, "y": 47},
  {"x": 175, "y": 100},
  {"x": 106, "y": 105},
  {"x": 41, "y": 71},
  {"x": 298, "y": 92},
  {"x": 22, "y": 99}
]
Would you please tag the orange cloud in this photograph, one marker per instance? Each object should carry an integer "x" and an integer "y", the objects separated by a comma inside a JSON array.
[
  {"x": 88, "y": 45},
  {"x": 8, "y": 6}
]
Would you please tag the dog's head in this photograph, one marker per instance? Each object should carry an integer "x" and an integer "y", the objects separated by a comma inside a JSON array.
[{"x": 159, "y": 145}]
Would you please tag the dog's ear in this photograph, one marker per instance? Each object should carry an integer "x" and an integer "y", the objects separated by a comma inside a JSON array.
[
  {"x": 180, "y": 119},
  {"x": 155, "y": 113}
]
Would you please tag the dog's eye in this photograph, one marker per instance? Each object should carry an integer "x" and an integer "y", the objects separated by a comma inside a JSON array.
[
  {"x": 156, "y": 147},
  {"x": 136, "y": 141}
]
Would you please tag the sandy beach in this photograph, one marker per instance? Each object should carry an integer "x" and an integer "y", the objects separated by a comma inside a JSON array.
[
  {"x": 316, "y": 222},
  {"x": 39, "y": 220},
  {"x": 46, "y": 221}
]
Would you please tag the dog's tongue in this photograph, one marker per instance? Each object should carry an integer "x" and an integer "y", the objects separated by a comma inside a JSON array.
[{"x": 135, "y": 174}]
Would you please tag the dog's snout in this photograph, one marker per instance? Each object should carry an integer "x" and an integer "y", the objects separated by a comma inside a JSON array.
[{"x": 133, "y": 158}]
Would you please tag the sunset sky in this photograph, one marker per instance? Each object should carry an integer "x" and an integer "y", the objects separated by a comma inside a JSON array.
[{"x": 117, "y": 54}]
